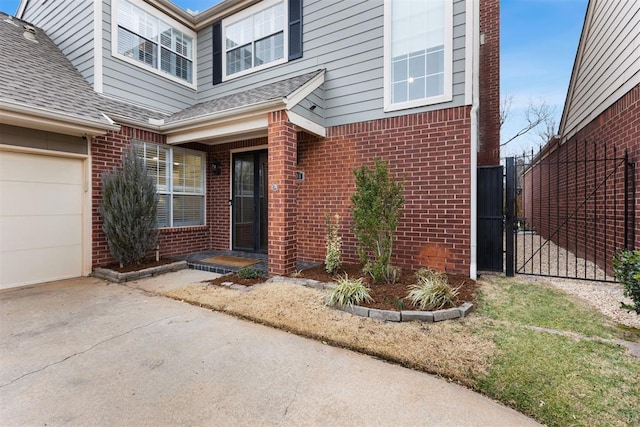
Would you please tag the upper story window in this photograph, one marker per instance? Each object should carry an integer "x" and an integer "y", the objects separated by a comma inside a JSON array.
[
  {"x": 155, "y": 43},
  {"x": 418, "y": 51},
  {"x": 255, "y": 38},
  {"x": 179, "y": 175}
]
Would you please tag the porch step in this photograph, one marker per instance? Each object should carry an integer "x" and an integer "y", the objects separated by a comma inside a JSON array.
[{"x": 196, "y": 261}]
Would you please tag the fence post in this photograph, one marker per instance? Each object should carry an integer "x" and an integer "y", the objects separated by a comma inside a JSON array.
[
  {"x": 629, "y": 202},
  {"x": 510, "y": 215}
]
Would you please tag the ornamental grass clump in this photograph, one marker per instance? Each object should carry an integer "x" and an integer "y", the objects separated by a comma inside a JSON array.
[
  {"x": 626, "y": 266},
  {"x": 432, "y": 291},
  {"x": 377, "y": 205},
  {"x": 348, "y": 292},
  {"x": 128, "y": 209},
  {"x": 333, "y": 244}
]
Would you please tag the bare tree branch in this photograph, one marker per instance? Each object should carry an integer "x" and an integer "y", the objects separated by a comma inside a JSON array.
[
  {"x": 548, "y": 131},
  {"x": 505, "y": 109},
  {"x": 534, "y": 116}
]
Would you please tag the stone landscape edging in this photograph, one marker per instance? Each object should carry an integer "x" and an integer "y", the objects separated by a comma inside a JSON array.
[
  {"x": 386, "y": 315},
  {"x": 117, "y": 277}
]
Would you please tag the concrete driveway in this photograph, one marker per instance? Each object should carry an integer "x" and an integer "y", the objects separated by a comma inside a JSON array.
[{"x": 82, "y": 352}]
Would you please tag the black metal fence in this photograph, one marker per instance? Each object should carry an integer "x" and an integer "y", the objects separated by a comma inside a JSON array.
[{"x": 569, "y": 208}]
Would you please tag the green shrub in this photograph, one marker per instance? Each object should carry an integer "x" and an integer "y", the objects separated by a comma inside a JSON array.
[
  {"x": 128, "y": 209},
  {"x": 377, "y": 204},
  {"x": 626, "y": 266},
  {"x": 250, "y": 272},
  {"x": 333, "y": 244},
  {"x": 348, "y": 292},
  {"x": 432, "y": 292},
  {"x": 431, "y": 273}
]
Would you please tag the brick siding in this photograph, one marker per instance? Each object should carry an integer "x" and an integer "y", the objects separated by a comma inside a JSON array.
[
  {"x": 430, "y": 150},
  {"x": 552, "y": 194},
  {"x": 106, "y": 155},
  {"x": 489, "y": 112}
]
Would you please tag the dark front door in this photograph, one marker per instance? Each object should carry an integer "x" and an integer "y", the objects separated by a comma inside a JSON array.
[{"x": 249, "y": 201}]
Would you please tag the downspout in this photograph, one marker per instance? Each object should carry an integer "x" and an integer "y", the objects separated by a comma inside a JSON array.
[{"x": 473, "y": 268}]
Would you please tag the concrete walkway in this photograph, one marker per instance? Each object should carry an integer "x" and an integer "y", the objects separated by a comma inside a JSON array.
[{"x": 82, "y": 352}]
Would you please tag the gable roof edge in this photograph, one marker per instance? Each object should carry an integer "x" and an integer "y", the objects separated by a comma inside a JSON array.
[{"x": 578, "y": 60}]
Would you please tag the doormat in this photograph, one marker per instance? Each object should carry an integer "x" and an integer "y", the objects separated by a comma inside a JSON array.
[{"x": 231, "y": 261}]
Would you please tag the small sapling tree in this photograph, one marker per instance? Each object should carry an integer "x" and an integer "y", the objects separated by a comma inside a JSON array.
[
  {"x": 333, "y": 244},
  {"x": 377, "y": 205},
  {"x": 128, "y": 209}
]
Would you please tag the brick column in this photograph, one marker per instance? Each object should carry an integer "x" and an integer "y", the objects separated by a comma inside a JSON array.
[
  {"x": 489, "y": 114},
  {"x": 281, "y": 187}
]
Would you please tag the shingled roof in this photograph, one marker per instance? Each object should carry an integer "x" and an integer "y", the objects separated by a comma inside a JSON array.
[
  {"x": 277, "y": 90},
  {"x": 37, "y": 78},
  {"x": 36, "y": 75}
]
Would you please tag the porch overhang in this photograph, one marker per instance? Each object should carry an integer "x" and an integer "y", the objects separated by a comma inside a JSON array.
[
  {"x": 250, "y": 121},
  {"x": 242, "y": 122}
]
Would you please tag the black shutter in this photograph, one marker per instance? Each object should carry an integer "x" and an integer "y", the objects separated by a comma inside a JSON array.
[
  {"x": 217, "y": 52},
  {"x": 295, "y": 29}
]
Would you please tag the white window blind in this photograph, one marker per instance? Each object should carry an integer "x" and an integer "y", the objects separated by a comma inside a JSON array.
[
  {"x": 255, "y": 40},
  {"x": 149, "y": 40},
  {"x": 179, "y": 176},
  {"x": 419, "y": 47}
]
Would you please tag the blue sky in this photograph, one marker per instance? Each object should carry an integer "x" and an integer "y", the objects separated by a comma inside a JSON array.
[{"x": 539, "y": 39}]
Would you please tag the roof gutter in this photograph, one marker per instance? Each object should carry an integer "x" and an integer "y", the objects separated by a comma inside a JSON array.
[
  {"x": 15, "y": 113},
  {"x": 231, "y": 114},
  {"x": 196, "y": 21}
]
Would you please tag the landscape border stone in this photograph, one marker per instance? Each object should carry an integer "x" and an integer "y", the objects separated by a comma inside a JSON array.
[
  {"x": 117, "y": 277},
  {"x": 385, "y": 315}
]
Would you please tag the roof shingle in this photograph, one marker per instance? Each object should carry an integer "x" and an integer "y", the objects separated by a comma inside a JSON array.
[
  {"x": 256, "y": 95},
  {"x": 35, "y": 73}
]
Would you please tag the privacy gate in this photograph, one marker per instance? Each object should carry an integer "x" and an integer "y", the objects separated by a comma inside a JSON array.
[{"x": 569, "y": 208}]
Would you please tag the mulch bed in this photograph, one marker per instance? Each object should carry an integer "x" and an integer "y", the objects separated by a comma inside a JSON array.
[
  {"x": 385, "y": 296},
  {"x": 234, "y": 278}
]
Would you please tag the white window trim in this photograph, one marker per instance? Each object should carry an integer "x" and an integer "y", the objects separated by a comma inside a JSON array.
[
  {"x": 167, "y": 20},
  {"x": 242, "y": 15},
  {"x": 448, "y": 63}
]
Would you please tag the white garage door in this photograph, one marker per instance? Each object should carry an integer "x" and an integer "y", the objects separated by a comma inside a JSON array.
[{"x": 40, "y": 218}]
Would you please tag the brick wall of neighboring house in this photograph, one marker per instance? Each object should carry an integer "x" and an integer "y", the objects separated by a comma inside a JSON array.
[
  {"x": 489, "y": 112},
  {"x": 106, "y": 154},
  {"x": 552, "y": 194}
]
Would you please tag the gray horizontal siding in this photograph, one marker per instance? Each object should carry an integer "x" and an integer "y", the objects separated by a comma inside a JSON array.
[
  {"x": 315, "y": 98},
  {"x": 31, "y": 138},
  {"x": 70, "y": 25},
  {"x": 135, "y": 84},
  {"x": 608, "y": 64},
  {"x": 346, "y": 39}
]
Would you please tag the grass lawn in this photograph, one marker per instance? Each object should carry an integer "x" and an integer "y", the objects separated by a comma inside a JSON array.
[
  {"x": 572, "y": 373},
  {"x": 531, "y": 347}
]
